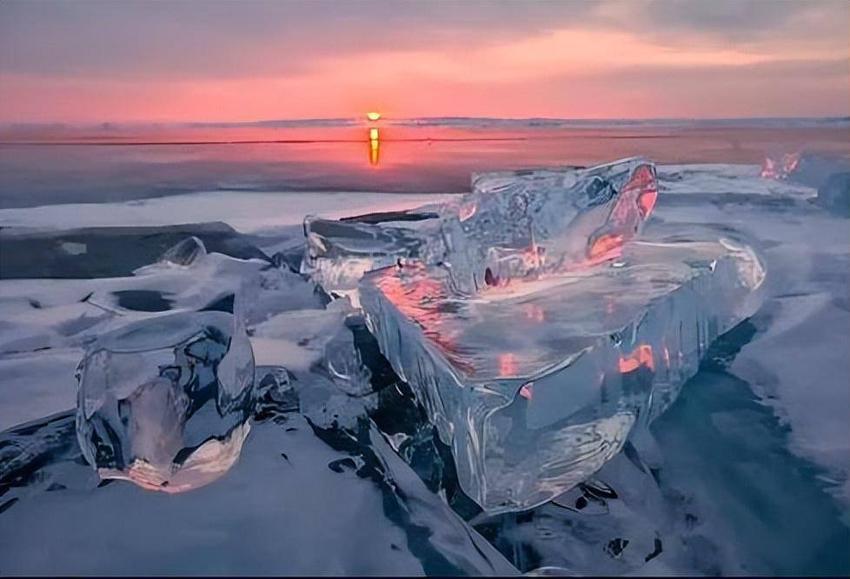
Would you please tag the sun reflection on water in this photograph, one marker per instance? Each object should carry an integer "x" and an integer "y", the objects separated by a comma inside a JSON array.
[
  {"x": 374, "y": 140},
  {"x": 374, "y": 147}
]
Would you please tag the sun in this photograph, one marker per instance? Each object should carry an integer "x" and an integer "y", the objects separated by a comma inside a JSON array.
[{"x": 373, "y": 116}]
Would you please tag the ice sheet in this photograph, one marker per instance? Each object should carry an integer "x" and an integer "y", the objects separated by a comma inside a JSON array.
[
  {"x": 794, "y": 361},
  {"x": 797, "y": 360},
  {"x": 247, "y": 212},
  {"x": 290, "y": 492}
]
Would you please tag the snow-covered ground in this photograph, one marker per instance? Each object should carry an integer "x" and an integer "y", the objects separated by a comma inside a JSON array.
[{"x": 246, "y": 212}]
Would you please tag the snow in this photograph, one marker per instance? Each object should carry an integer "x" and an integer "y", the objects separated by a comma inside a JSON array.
[{"x": 246, "y": 212}]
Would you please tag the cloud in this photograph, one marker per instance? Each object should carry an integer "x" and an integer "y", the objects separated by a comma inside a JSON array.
[
  {"x": 252, "y": 37},
  {"x": 751, "y": 20},
  {"x": 253, "y": 59},
  {"x": 177, "y": 39}
]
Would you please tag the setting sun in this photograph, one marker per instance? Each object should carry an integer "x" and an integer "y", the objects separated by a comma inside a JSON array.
[{"x": 373, "y": 116}]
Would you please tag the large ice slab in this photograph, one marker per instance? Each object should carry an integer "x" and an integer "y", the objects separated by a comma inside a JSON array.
[{"x": 537, "y": 383}]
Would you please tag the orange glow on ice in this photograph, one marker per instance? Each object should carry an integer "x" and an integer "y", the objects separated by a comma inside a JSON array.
[
  {"x": 508, "y": 365},
  {"x": 534, "y": 312},
  {"x": 605, "y": 246},
  {"x": 640, "y": 357}
]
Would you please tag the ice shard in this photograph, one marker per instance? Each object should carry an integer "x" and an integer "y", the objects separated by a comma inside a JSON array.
[
  {"x": 781, "y": 166},
  {"x": 188, "y": 278},
  {"x": 805, "y": 168},
  {"x": 338, "y": 253},
  {"x": 186, "y": 252},
  {"x": 536, "y": 370},
  {"x": 165, "y": 402}
]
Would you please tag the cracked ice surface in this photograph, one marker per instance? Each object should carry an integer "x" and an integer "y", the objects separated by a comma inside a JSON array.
[{"x": 294, "y": 514}]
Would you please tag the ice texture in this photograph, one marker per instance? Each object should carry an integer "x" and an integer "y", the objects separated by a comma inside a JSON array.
[
  {"x": 512, "y": 224},
  {"x": 186, "y": 252},
  {"x": 536, "y": 371},
  {"x": 729, "y": 517},
  {"x": 529, "y": 223},
  {"x": 834, "y": 195},
  {"x": 780, "y": 166},
  {"x": 829, "y": 174},
  {"x": 294, "y": 514},
  {"x": 165, "y": 402},
  {"x": 338, "y": 253}
]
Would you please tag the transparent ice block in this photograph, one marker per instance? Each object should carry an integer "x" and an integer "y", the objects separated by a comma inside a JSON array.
[
  {"x": 165, "y": 402},
  {"x": 338, "y": 253},
  {"x": 526, "y": 223},
  {"x": 536, "y": 383}
]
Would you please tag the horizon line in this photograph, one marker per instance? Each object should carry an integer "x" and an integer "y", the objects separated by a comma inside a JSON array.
[{"x": 391, "y": 120}]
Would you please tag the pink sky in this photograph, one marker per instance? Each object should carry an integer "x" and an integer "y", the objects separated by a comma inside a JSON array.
[{"x": 94, "y": 61}]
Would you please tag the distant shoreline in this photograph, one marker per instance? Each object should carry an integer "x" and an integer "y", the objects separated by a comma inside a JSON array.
[{"x": 459, "y": 122}]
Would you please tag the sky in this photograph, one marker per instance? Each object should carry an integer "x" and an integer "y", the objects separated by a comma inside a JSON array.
[{"x": 226, "y": 60}]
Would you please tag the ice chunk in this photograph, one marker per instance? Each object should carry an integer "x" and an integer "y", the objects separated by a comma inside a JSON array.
[
  {"x": 186, "y": 278},
  {"x": 526, "y": 224},
  {"x": 185, "y": 252},
  {"x": 338, "y": 253},
  {"x": 317, "y": 348},
  {"x": 514, "y": 224},
  {"x": 165, "y": 402},
  {"x": 829, "y": 174},
  {"x": 270, "y": 290},
  {"x": 537, "y": 383},
  {"x": 780, "y": 166},
  {"x": 806, "y": 168},
  {"x": 275, "y": 393}
]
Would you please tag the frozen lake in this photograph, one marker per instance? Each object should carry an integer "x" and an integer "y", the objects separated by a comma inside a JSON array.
[{"x": 747, "y": 472}]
